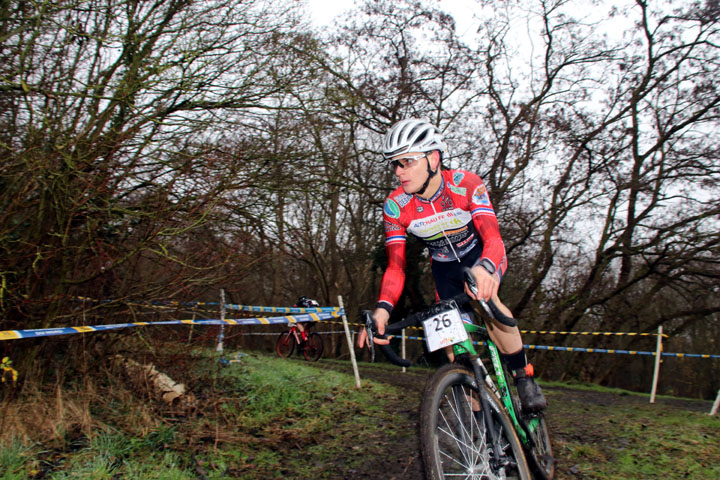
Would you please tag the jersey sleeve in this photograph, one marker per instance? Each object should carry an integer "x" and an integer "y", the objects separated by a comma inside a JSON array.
[
  {"x": 393, "y": 279},
  {"x": 486, "y": 224}
]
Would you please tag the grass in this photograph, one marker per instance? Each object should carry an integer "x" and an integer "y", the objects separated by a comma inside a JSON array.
[
  {"x": 631, "y": 440},
  {"x": 262, "y": 417},
  {"x": 270, "y": 418}
]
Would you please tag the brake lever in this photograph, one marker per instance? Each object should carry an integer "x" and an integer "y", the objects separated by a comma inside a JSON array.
[
  {"x": 472, "y": 286},
  {"x": 370, "y": 329},
  {"x": 491, "y": 310},
  {"x": 471, "y": 282}
]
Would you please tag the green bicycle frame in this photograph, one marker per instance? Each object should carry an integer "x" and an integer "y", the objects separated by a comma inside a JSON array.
[{"x": 503, "y": 392}]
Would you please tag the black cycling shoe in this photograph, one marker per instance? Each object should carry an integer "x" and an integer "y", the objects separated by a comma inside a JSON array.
[{"x": 531, "y": 397}]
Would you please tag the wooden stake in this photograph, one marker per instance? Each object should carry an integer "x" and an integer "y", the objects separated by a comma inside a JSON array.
[
  {"x": 351, "y": 348},
  {"x": 714, "y": 408},
  {"x": 221, "y": 335},
  {"x": 658, "y": 355}
]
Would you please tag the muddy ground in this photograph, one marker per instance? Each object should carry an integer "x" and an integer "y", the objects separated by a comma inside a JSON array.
[{"x": 407, "y": 463}]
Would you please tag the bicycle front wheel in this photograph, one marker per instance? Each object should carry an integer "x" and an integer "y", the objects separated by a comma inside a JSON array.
[
  {"x": 285, "y": 344},
  {"x": 455, "y": 439},
  {"x": 313, "y": 347}
]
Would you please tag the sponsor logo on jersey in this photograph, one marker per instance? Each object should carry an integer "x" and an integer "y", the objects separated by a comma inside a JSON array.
[
  {"x": 391, "y": 226},
  {"x": 446, "y": 201},
  {"x": 458, "y": 177},
  {"x": 466, "y": 241},
  {"x": 402, "y": 199},
  {"x": 391, "y": 209},
  {"x": 459, "y": 190},
  {"x": 480, "y": 196},
  {"x": 434, "y": 225}
]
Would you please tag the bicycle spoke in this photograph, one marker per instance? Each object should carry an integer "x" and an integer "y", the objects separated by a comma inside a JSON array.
[
  {"x": 462, "y": 429},
  {"x": 456, "y": 441}
]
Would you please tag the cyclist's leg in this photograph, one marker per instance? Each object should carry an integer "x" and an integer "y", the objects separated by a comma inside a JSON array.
[
  {"x": 509, "y": 342},
  {"x": 507, "y": 339},
  {"x": 449, "y": 282}
]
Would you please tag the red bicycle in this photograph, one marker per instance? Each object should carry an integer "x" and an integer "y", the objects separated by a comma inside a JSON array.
[{"x": 310, "y": 344}]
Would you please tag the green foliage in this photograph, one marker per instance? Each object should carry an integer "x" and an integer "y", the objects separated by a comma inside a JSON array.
[{"x": 14, "y": 459}]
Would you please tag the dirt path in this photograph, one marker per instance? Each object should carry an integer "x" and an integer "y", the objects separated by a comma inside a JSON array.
[{"x": 408, "y": 465}]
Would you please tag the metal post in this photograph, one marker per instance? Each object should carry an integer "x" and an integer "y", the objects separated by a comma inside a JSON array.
[
  {"x": 658, "y": 355},
  {"x": 221, "y": 335},
  {"x": 350, "y": 343}
]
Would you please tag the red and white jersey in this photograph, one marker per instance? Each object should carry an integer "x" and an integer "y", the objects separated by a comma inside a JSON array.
[{"x": 455, "y": 221}]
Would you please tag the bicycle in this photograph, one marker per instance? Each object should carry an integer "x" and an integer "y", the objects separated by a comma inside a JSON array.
[
  {"x": 469, "y": 426},
  {"x": 310, "y": 344}
]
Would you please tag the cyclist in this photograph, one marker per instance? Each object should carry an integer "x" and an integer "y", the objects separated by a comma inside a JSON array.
[
  {"x": 451, "y": 213},
  {"x": 305, "y": 302}
]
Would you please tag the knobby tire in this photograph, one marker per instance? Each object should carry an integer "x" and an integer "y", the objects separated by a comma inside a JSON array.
[
  {"x": 539, "y": 453},
  {"x": 313, "y": 347},
  {"x": 285, "y": 344},
  {"x": 454, "y": 439},
  {"x": 540, "y": 457}
]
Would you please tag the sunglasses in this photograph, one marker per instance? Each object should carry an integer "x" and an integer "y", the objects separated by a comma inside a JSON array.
[{"x": 405, "y": 162}]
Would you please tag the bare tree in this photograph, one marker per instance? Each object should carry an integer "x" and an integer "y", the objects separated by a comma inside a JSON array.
[
  {"x": 603, "y": 170},
  {"x": 114, "y": 111}
]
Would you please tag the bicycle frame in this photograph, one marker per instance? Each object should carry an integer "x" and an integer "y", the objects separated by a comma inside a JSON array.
[
  {"x": 502, "y": 390},
  {"x": 297, "y": 335},
  {"x": 529, "y": 430}
]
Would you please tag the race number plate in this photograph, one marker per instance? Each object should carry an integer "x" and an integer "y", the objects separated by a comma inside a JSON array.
[{"x": 444, "y": 329}]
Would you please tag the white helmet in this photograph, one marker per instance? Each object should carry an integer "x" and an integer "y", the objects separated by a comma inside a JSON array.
[{"x": 412, "y": 135}]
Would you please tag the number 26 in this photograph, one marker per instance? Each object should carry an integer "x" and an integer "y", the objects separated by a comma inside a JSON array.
[{"x": 446, "y": 322}]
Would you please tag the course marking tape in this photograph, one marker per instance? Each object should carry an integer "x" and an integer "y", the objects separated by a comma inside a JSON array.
[
  {"x": 47, "y": 332},
  {"x": 231, "y": 306},
  {"x": 553, "y": 332},
  {"x": 605, "y": 334},
  {"x": 596, "y": 350}
]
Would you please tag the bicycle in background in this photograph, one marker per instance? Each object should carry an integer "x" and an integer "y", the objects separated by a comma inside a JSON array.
[
  {"x": 471, "y": 426},
  {"x": 309, "y": 343}
]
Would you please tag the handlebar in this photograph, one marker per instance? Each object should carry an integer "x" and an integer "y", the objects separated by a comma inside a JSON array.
[
  {"x": 488, "y": 305},
  {"x": 387, "y": 350},
  {"x": 413, "y": 320}
]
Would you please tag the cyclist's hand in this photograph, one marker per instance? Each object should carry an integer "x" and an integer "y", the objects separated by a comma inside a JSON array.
[
  {"x": 487, "y": 284},
  {"x": 381, "y": 317}
]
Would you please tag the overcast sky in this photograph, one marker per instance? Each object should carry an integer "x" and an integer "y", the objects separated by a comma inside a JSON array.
[{"x": 324, "y": 11}]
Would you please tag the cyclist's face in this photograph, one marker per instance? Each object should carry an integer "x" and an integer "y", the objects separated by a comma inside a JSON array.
[{"x": 410, "y": 170}]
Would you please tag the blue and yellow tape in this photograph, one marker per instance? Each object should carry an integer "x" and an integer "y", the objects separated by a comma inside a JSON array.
[{"x": 47, "y": 332}]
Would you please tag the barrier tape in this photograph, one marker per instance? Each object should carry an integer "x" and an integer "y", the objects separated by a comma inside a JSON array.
[
  {"x": 255, "y": 309},
  {"x": 556, "y": 332},
  {"x": 594, "y": 350},
  {"x": 321, "y": 313},
  {"x": 329, "y": 332},
  {"x": 622, "y": 352},
  {"x": 231, "y": 306},
  {"x": 606, "y": 334},
  {"x": 47, "y": 332}
]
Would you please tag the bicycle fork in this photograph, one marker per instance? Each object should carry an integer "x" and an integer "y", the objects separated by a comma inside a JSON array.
[{"x": 499, "y": 460}]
